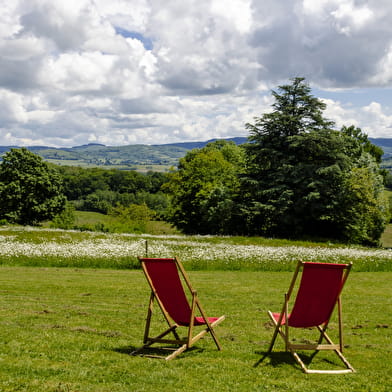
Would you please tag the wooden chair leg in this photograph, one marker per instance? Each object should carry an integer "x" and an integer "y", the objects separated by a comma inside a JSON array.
[{"x": 275, "y": 332}]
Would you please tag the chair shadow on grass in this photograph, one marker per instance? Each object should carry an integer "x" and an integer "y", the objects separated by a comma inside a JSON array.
[
  {"x": 125, "y": 350},
  {"x": 283, "y": 357},
  {"x": 154, "y": 352},
  {"x": 276, "y": 358}
]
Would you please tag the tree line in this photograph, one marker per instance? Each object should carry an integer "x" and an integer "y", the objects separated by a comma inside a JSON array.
[
  {"x": 33, "y": 191},
  {"x": 297, "y": 176},
  {"x": 102, "y": 190}
]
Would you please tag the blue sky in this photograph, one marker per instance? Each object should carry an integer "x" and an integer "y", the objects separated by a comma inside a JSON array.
[
  {"x": 358, "y": 96},
  {"x": 121, "y": 72},
  {"x": 147, "y": 42}
]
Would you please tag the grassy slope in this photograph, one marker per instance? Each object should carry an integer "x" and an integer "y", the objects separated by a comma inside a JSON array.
[
  {"x": 386, "y": 238},
  {"x": 72, "y": 330},
  {"x": 91, "y": 219}
]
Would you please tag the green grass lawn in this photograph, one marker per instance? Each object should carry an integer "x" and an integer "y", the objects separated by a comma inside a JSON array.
[
  {"x": 96, "y": 221},
  {"x": 68, "y": 329},
  {"x": 386, "y": 238}
]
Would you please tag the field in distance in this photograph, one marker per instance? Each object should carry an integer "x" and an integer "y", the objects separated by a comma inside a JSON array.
[{"x": 142, "y": 157}]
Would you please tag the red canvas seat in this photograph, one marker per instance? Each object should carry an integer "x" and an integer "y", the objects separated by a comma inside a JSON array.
[
  {"x": 167, "y": 278},
  {"x": 318, "y": 293}
]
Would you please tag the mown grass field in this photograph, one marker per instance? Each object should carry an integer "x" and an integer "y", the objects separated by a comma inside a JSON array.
[
  {"x": 73, "y": 306},
  {"x": 73, "y": 330}
]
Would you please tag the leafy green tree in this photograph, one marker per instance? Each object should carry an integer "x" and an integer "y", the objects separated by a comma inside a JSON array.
[
  {"x": 157, "y": 202},
  {"x": 65, "y": 219},
  {"x": 30, "y": 189},
  {"x": 365, "y": 207},
  {"x": 302, "y": 174},
  {"x": 97, "y": 189},
  {"x": 388, "y": 180},
  {"x": 204, "y": 187},
  {"x": 134, "y": 217},
  {"x": 363, "y": 144},
  {"x": 134, "y": 212},
  {"x": 99, "y": 201}
]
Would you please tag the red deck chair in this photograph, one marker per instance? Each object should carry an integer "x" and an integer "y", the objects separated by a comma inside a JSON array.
[
  {"x": 318, "y": 293},
  {"x": 165, "y": 277}
]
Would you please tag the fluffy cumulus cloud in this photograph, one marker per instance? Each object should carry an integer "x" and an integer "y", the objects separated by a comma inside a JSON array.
[{"x": 150, "y": 71}]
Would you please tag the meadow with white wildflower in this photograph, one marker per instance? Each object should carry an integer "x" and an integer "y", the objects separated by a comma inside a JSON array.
[{"x": 47, "y": 247}]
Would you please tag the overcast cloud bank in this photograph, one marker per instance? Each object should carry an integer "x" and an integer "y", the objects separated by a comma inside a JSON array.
[{"x": 122, "y": 72}]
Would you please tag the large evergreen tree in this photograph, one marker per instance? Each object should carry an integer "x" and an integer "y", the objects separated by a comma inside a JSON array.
[
  {"x": 305, "y": 178},
  {"x": 30, "y": 189}
]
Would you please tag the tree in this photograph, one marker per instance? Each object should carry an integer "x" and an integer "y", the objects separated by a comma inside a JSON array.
[
  {"x": 301, "y": 173},
  {"x": 30, "y": 189},
  {"x": 97, "y": 189},
  {"x": 65, "y": 219},
  {"x": 204, "y": 187},
  {"x": 134, "y": 217},
  {"x": 365, "y": 206}
]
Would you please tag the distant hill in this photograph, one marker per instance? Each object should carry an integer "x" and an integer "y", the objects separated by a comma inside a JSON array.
[
  {"x": 141, "y": 157},
  {"x": 386, "y": 145}
]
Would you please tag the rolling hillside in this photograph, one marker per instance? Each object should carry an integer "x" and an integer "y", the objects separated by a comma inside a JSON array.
[{"x": 142, "y": 157}]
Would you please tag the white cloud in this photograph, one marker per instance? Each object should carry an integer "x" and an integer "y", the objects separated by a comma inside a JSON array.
[
  {"x": 341, "y": 114},
  {"x": 12, "y": 108},
  {"x": 9, "y": 19},
  {"x": 374, "y": 119},
  {"x": 377, "y": 119},
  {"x": 130, "y": 15},
  {"x": 75, "y": 72},
  {"x": 236, "y": 12},
  {"x": 64, "y": 24},
  {"x": 153, "y": 71},
  {"x": 21, "y": 49},
  {"x": 383, "y": 76},
  {"x": 349, "y": 17}
]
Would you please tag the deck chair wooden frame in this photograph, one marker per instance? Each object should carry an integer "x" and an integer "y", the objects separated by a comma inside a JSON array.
[
  {"x": 189, "y": 319},
  {"x": 282, "y": 327}
]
